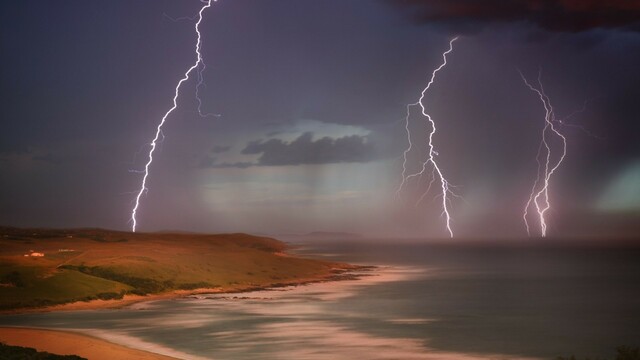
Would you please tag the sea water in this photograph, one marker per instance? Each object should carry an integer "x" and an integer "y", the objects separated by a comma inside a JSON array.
[{"x": 513, "y": 300}]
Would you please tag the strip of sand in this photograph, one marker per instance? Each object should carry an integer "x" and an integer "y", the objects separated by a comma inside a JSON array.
[{"x": 67, "y": 343}]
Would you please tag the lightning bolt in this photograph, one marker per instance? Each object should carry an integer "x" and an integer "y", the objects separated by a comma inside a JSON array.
[
  {"x": 430, "y": 162},
  {"x": 539, "y": 196},
  {"x": 201, "y": 68},
  {"x": 199, "y": 62},
  {"x": 565, "y": 122}
]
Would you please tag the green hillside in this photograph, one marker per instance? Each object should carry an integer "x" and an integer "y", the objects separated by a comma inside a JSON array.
[{"x": 40, "y": 267}]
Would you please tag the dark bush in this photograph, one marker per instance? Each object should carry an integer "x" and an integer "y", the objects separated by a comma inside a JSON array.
[
  {"x": 197, "y": 285},
  {"x": 13, "y": 278},
  {"x": 109, "y": 296},
  {"x": 622, "y": 353},
  {"x": 8, "y": 352},
  {"x": 628, "y": 353}
]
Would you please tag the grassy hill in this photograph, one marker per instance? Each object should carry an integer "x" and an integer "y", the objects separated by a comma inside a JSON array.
[{"x": 41, "y": 267}]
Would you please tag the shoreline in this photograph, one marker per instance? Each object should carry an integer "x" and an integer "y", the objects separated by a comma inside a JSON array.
[
  {"x": 342, "y": 273},
  {"x": 94, "y": 346},
  {"x": 62, "y": 342},
  {"x": 330, "y": 334}
]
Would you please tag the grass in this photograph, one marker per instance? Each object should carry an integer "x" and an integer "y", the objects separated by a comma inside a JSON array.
[
  {"x": 60, "y": 287},
  {"x": 622, "y": 353},
  {"x": 87, "y": 264},
  {"x": 8, "y": 352}
]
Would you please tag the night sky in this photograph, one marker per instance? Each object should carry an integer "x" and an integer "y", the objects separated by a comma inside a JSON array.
[{"x": 311, "y": 96}]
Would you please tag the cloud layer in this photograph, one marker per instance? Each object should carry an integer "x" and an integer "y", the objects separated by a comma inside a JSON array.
[
  {"x": 304, "y": 150},
  {"x": 551, "y": 15}
]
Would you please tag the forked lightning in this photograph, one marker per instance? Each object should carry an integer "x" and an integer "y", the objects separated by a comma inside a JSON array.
[
  {"x": 430, "y": 162},
  {"x": 539, "y": 197}
]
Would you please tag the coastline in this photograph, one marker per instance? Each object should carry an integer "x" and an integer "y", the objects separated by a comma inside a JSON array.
[
  {"x": 61, "y": 342},
  {"x": 88, "y": 269},
  {"x": 273, "y": 302},
  {"x": 341, "y": 273},
  {"x": 96, "y": 346}
]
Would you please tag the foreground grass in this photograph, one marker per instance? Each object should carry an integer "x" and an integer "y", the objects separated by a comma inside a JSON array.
[
  {"x": 8, "y": 352},
  {"x": 622, "y": 353},
  {"x": 89, "y": 264}
]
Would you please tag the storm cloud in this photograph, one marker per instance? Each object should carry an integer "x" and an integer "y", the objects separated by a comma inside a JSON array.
[
  {"x": 551, "y": 15},
  {"x": 304, "y": 150}
]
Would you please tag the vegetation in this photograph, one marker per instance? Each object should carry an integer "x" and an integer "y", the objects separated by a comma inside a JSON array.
[
  {"x": 12, "y": 279},
  {"x": 41, "y": 285},
  {"x": 622, "y": 353},
  {"x": 140, "y": 285},
  {"x": 90, "y": 264},
  {"x": 8, "y": 352}
]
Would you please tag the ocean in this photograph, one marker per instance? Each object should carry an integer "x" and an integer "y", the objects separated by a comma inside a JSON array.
[{"x": 508, "y": 300}]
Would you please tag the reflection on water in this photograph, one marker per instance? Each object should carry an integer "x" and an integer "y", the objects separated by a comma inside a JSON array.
[{"x": 428, "y": 302}]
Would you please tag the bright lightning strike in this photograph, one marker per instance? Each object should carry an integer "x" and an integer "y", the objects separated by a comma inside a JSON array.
[
  {"x": 430, "y": 162},
  {"x": 158, "y": 134},
  {"x": 539, "y": 197},
  {"x": 201, "y": 68}
]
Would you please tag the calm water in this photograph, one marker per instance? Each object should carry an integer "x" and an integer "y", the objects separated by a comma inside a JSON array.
[{"x": 426, "y": 302}]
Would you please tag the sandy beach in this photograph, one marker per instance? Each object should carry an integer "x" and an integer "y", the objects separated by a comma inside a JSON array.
[
  {"x": 68, "y": 343},
  {"x": 73, "y": 343}
]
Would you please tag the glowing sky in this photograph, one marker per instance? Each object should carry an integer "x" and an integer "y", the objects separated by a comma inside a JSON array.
[{"x": 312, "y": 96}]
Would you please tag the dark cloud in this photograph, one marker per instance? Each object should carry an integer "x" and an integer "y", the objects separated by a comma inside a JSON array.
[
  {"x": 303, "y": 150},
  {"x": 552, "y": 15}
]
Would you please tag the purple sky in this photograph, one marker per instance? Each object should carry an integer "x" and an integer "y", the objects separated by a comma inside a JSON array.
[{"x": 312, "y": 96}]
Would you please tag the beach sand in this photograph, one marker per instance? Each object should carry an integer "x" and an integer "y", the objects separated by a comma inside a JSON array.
[{"x": 68, "y": 343}]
